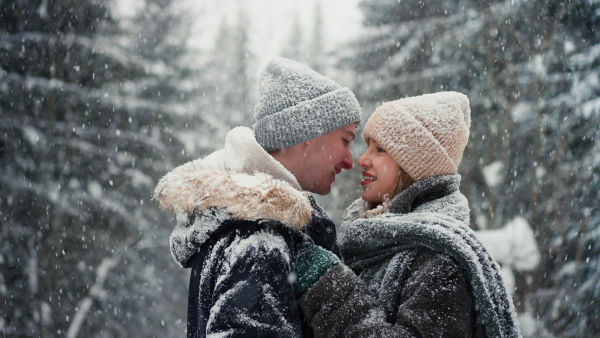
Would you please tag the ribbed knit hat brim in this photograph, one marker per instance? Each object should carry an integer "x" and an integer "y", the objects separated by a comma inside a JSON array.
[
  {"x": 307, "y": 120},
  {"x": 297, "y": 104},
  {"x": 426, "y": 135}
]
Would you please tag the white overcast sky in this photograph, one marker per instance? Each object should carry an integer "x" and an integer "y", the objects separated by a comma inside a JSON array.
[{"x": 270, "y": 21}]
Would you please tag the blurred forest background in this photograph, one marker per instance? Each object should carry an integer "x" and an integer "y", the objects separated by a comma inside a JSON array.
[{"x": 96, "y": 107}]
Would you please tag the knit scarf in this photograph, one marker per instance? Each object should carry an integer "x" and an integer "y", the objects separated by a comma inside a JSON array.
[{"x": 429, "y": 214}]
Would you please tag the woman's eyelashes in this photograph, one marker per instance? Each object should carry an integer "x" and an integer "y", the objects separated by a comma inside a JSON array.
[{"x": 380, "y": 150}]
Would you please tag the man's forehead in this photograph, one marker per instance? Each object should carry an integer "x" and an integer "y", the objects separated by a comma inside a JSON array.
[{"x": 345, "y": 131}]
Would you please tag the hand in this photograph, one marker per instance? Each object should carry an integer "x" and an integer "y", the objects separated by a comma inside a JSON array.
[{"x": 312, "y": 263}]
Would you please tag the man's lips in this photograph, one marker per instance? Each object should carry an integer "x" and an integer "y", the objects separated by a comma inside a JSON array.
[
  {"x": 368, "y": 178},
  {"x": 335, "y": 171}
]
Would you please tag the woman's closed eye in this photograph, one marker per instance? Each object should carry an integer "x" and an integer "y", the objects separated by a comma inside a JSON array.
[{"x": 381, "y": 150}]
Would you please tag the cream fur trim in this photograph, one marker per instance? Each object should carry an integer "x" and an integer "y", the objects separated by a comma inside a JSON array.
[{"x": 244, "y": 196}]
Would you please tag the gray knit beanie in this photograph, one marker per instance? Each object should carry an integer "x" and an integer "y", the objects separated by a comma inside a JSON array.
[{"x": 297, "y": 104}]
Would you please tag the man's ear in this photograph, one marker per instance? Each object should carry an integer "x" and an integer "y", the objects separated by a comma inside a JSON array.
[{"x": 307, "y": 143}]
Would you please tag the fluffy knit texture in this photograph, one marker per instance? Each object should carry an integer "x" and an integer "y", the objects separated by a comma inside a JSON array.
[
  {"x": 426, "y": 135},
  {"x": 431, "y": 214},
  {"x": 240, "y": 181},
  {"x": 297, "y": 104}
]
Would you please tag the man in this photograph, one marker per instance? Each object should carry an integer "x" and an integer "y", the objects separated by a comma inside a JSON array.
[{"x": 241, "y": 210}]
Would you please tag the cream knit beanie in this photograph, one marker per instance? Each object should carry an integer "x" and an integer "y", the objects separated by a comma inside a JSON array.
[{"x": 426, "y": 135}]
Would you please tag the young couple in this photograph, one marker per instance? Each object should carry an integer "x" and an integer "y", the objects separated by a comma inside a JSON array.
[{"x": 261, "y": 250}]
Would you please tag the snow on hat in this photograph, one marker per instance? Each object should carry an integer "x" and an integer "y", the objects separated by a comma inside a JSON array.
[
  {"x": 297, "y": 104},
  {"x": 426, "y": 135}
]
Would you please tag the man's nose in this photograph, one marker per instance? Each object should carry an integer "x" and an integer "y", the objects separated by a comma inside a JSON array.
[{"x": 347, "y": 162}]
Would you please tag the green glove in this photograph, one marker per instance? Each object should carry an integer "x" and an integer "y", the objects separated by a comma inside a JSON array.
[{"x": 312, "y": 263}]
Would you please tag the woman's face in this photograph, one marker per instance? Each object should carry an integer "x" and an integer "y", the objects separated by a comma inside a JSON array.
[{"x": 380, "y": 175}]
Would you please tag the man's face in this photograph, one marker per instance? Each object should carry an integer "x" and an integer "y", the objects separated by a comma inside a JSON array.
[{"x": 324, "y": 157}]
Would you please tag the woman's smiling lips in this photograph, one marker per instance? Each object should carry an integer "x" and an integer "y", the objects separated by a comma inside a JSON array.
[{"x": 368, "y": 178}]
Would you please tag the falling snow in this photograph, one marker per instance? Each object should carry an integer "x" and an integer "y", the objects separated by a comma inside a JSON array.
[{"x": 98, "y": 103}]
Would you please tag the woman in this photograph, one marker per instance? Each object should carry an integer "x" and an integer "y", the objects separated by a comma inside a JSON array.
[{"x": 421, "y": 270}]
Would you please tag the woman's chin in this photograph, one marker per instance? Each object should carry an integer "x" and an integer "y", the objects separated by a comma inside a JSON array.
[{"x": 368, "y": 198}]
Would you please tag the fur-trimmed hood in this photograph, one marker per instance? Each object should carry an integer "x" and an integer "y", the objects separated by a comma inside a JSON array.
[
  {"x": 239, "y": 182},
  {"x": 243, "y": 196},
  {"x": 240, "y": 179}
]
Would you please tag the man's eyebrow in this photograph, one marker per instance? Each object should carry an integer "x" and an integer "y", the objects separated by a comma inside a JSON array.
[{"x": 352, "y": 134}]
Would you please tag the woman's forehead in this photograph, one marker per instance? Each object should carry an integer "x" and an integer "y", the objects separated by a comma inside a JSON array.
[{"x": 370, "y": 141}]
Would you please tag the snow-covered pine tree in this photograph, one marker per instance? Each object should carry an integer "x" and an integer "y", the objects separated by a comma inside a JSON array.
[
  {"x": 84, "y": 136},
  {"x": 530, "y": 69},
  {"x": 241, "y": 76},
  {"x": 230, "y": 71},
  {"x": 294, "y": 47},
  {"x": 566, "y": 146},
  {"x": 316, "y": 52},
  {"x": 309, "y": 50}
]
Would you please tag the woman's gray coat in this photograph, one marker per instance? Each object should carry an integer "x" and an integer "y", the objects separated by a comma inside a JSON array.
[{"x": 421, "y": 273}]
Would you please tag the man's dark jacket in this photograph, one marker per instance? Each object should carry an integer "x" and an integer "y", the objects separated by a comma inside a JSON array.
[{"x": 237, "y": 232}]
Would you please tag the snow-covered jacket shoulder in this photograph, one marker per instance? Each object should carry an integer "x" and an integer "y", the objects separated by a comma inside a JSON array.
[
  {"x": 228, "y": 195},
  {"x": 238, "y": 212}
]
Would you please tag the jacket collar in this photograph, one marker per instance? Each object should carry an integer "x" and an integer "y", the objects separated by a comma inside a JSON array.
[
  {"x": 432, "y": 204},
  {"x": 424, "y": 191}
]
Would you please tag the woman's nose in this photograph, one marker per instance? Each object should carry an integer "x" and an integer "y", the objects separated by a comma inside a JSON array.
[{"x": 363, "y": 161}]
